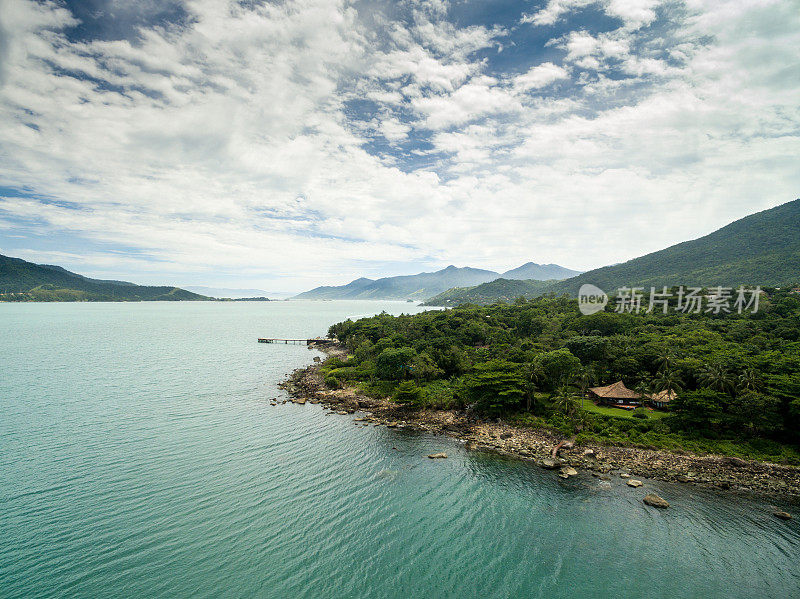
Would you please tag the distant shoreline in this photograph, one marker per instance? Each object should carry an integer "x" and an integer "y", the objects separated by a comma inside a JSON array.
[{"x": 537, "y": 445}]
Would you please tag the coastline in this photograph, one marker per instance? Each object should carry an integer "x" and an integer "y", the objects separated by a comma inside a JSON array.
[{"x": 545, "y": 448}]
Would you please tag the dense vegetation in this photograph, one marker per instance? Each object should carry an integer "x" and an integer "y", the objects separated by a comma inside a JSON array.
[
  {"x": 737, "y": 377},
  {"x": 488, "y": 293},
  {"x": 22, "y": 281}
]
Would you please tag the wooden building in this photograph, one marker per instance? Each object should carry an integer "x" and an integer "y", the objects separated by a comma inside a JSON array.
[
  {"x": 617, "y": 395},
  {"x": 662, "y": 399}
]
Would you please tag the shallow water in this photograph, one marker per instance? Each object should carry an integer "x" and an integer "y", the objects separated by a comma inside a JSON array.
[{"x": 139, "y": 457}]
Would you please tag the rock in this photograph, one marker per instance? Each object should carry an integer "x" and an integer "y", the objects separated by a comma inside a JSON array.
[
  {"x": 682, "y": 478},
  {"x": 604, "y": 484},
  {"x": 317, "y": 359},
  {"x": 300, "y": 400},
  {"x": 435, "y": 456},
  {"x": 731, "y": 461},
  {"x": 655, "y": 500},
  {"x": 634, "y": 483},
  {"x": 563, "y": 475},
  {"x": 605, "y": 477},
  {"x": 568, "y": 445},
  {"x": 624, "y": 475},
  {"x": 782, "y": 515},
  {"x": 550, "y": 463},
  {"x": 506, "y": 435},
  {"x": 569, "y": 471},
  {"x": 589, "y": 453}
]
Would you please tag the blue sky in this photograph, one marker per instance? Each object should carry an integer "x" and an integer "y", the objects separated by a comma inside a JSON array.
[{"x": 286, "y": 144}]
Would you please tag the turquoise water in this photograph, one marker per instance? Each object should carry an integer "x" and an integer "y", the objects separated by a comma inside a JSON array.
[{"x": 139, "y": 457}]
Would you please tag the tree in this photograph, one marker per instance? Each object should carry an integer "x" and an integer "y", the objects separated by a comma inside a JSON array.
[
  {"x": 557, "y": 366},
  {"x": 668, "y": 380},
  {"x": 564, "y": 401},
  {"x": 698, "y": 410},
  {"x": 750, "y": 380},
  {"x": 584, "y": 378},
  {"x": 717, "y": 378},
  {"x": 394, "y": 364},
  {"x": 495, "y": 386},
  {"x": 407, "y": 392},
  {"x": 531, "y": 378}
]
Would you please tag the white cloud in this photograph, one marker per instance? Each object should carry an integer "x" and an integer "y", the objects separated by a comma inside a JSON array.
[
  {"x": 540, "y": 76},
  {"x": 230, "y": 144}
]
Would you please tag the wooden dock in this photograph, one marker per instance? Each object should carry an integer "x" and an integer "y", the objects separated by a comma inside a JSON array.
[{"x": 316, "y": 341}]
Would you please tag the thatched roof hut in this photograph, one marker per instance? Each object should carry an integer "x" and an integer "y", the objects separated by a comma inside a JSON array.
[{"x": 616, "y": 394}]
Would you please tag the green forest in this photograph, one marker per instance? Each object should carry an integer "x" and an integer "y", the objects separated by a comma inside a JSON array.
[{"x": 736, "y": 377}]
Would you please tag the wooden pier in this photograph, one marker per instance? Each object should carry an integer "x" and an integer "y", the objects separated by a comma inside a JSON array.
[{"x": 316, "y": 341}]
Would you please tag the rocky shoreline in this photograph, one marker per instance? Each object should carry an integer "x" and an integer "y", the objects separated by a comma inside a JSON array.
[{"x": 547, "y": 449}]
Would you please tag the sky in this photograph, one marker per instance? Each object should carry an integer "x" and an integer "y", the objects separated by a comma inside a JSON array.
[{"x": 285, "y": 144}]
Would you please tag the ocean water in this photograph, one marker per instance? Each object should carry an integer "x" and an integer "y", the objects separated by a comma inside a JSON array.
[{"x": 139, "y": 457}]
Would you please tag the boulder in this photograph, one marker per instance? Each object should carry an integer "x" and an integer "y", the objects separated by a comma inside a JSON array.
[
  {"x": 737, "y": 462},
  {"x": 436, "y": 456},
  {"x": 317, "y": 359},
  {"x": 655, "y": 501},
  {"x": 604, "y": 484},
  {"x": 300, "y": 400},
  {"x": 634, "y": 483},
  {"x": 588, "y": 453},
  {"x": 550, "y": 463},
  {"x": 782, "y": 515},
  {"x": 569, "y": 471}
]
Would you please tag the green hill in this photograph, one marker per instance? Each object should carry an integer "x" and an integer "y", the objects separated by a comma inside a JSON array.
[
  {"x": 504, "y": 290},
  {"x": 760, "y": 249},
  {"x": 22, "y": 281}
]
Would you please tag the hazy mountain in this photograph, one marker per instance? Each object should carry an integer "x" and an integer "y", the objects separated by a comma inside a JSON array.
[
  {"x": 760, "y": 249},
  {"x": 420, "y": 286},
  {"x": 25, "y": 281},
  {"x": 540, "y": 272}
]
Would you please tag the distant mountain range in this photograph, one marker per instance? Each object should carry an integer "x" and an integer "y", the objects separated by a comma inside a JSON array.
[
  {"x": 424, "y": 285},
  {"x": 25, "y": 281},
  {"x": 760, "y": 249}
]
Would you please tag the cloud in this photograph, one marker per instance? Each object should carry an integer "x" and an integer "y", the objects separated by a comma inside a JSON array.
[
  {"x": 540, "y": 76},
  {"x": 313, "y": 141}
]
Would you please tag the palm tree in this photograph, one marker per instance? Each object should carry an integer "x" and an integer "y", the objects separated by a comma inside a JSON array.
[
  {"x": 717, "y": 378},
  {"x": 750, "y": 381},
  {"x": 669, "y": 381},
  {"x": 583, "y": 380},
  {"x": 665, "y": 360},
  {"x": 564, "y": 401},
  {"x": 645, "y": 389},
  {"x": 532, "y": 377}
]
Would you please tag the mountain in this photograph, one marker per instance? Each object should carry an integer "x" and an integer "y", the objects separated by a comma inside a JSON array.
[
  {"x": 25, "y": 281},
  {"x": 420, "y": 286},
  {"x": 505, "y": 290},
  {"x": 540, "y": 272},
  {"x": 760, "y": 249},
  {"x": 427, "y": 284}
]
